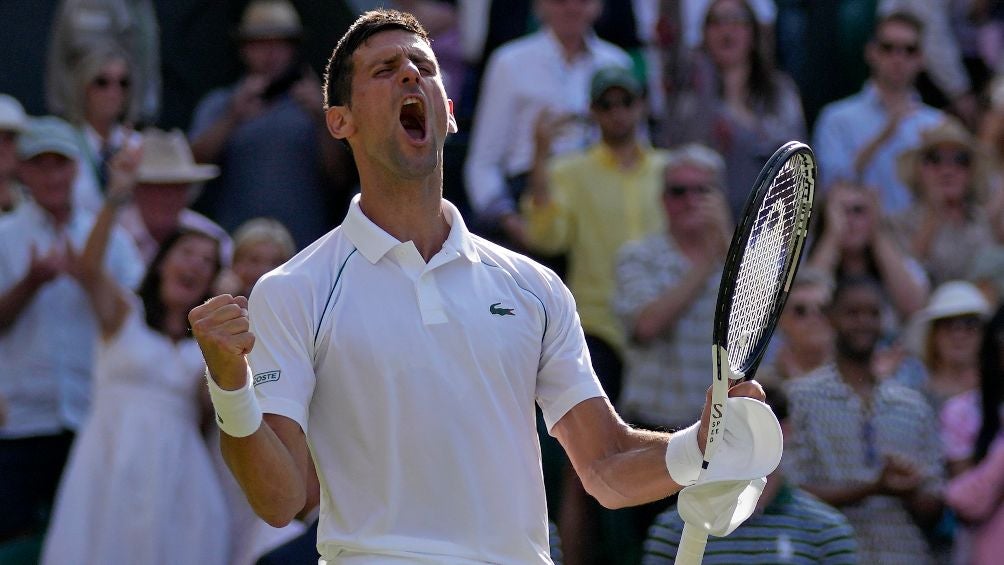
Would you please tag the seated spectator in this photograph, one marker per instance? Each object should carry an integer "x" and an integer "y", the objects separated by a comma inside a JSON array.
[
  {"x": 12, "y": 122},
  {"x": 139, "y": 485},
  {"x": 260, "y": 245},
  {"x": 80, "y": 25},
  {"x": 102, "y": 111},
  {"x": 971, "y": 430},
  {"x": 950, "y": 180},
  {"x": 268, "y": 135},
  {"x": 867, "y": 445},
  {"x": 789, "y": 525},
  {"x": 735, "y": 101},
  {"x": 47, "y": 326},
  {"x": 538, "y": 82},
  {"x": 858, "y": 139},
  {"x": 946, "y": 337},
  {"x": 805, "y": 337},
  {"x": 852, "y": 239},
  {"x": 167, "y": 181}
]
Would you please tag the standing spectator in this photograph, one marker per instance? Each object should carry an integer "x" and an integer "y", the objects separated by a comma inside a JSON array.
[
  {"x": 101, "y": 110},
  {"x": 81, "y": 25},
  {"x": 950, "y": 180},
  {"x": 166, "y": 183},
  {"x": 852, "y": 239},
  {"x": 536, "y": 83},
  {"x": 139, "y": 485},
  {"x": 267, "y": 133},
  {"x": 735, "y": 101},
  {"x": 588, "y": 204},
  {"x": 47, "y": 326},
  {"x": 866, "y": 445},
  {"x": 789, "y": 525},
  {"x": 12, "y": 122},
  {"x": 667, "y": 285},
  {"x": 858, "y": 139},
  {"x": 946, "y": 337},
  {"x": 805, "y": 336}
]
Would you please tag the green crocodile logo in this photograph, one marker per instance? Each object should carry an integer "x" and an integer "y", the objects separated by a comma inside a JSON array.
[{"x": 501, "y": 311}]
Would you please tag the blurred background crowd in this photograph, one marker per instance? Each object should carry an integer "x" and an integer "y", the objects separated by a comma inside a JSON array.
[{"x": 155, "y": 152}]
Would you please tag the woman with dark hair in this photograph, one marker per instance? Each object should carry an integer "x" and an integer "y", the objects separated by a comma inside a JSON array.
[
  {"x": 973, "y": 419},
  {"x": 735, "y": 101},
  {"x": 139, "y": 485}
]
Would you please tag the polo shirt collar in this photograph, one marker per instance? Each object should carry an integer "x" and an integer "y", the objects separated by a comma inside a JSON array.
[
  {"x": 373, "y": 242},
  {"x": 591, "y": 40}
]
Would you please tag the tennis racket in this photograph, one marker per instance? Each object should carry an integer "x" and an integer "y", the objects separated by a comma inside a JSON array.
[{"x": 761, "y": 262}]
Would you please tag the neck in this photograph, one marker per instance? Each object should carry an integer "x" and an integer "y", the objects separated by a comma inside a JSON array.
[
  {"x": 626, "y": 150},
  {"x": 6, "y": 194},
  {"x": 408, "y": 210},
  {"x": 571, "y": 46},
  {"x": 857, "y": 373},
  {"x": 734, "y": 80},
  {"x": 175, "y": 325},
  {"x": 102, "y": 127},
  {"x": 893, "y": 95}
]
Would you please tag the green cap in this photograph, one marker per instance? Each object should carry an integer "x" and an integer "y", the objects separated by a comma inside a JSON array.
[
  {"x": 47, "y": 134},
  {"x": 610, "y": 77}
]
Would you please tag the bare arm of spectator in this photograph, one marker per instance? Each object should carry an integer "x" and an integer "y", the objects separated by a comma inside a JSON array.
[
  {"x": 898, "y": 478},
  {"x": 866, "y": 155},
  {"x": 244, "y": 104},
  {"x": 544, "y": 205}
]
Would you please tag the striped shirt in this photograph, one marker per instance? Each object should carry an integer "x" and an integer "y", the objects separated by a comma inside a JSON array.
[
  {"x": 795, "y": 528},
  {"x": 840, "y": 442}
]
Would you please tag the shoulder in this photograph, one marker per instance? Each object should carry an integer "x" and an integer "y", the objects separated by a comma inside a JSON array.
[
  {"x": 840, "y": 109},
  {"x": 310, "y": 273},
  {"x": 820, "y": 379},
  {"x": 528, "y": 274},
  {"x": 608, "y": 53},
  {"x": 907, "y": 398},
  {"x": 518, "y": 49},
  {"x": 571, "y": 162}
]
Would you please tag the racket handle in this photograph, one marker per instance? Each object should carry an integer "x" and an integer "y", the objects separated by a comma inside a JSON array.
[{"x": 691, "y": 550}]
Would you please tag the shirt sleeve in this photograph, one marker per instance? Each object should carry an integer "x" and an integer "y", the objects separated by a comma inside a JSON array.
[
  {"x": 565, "y": 376},
  {"x": 282, "y": 358}
]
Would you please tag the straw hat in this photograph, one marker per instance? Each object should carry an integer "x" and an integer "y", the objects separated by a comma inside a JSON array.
[
  {"x": 167, "y": 159},
  {"x": 269, "y": 19},
  {"x": 953, "y": 298},
  {"x": 12, "y": 116},
  {"x": 949, "y": 131}
]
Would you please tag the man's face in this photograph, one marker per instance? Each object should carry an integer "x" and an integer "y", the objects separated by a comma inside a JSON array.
[
  {"x": 569, "y": 18},
  {"x": 268, "y": 57},
  {"x": 895, "y": 55},
  {"x": 160, "y": 206},
  {"x": 399, "y": 113},
  {"x": 689, "y": 196},
  {"x": 49, "y": 178},
  {"x": 618, "y": 113},
  {"x": 856, "y": 317},
  {"x": 802, "y": 321},
  {"x": 108, "y": 92}
]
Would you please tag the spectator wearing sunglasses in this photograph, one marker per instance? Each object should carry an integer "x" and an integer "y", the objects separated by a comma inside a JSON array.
[
  {"x": 858, "y": 139},
  {"x": 949, "y": 177}
]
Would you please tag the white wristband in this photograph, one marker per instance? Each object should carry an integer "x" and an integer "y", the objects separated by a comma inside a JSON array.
[
  {"x": 237, "y": 411},
  {"x": 683, "y": 456}
]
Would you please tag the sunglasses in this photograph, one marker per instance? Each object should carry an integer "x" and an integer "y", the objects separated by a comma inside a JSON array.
[
  {"x": 855, "y": 209},
  {"x": 959, "y": 158},
  {"x": 102, "y": 81},
  {"x": 681, "y": 190},
  {"x": 967, "y": 323},
  {"x": 889, "y": 47},
  {"x": 607, "y": 103},
  {"x": 805, "y": 310}
]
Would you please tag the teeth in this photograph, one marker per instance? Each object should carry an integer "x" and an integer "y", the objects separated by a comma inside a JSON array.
[{"x": 412, "y": 100}]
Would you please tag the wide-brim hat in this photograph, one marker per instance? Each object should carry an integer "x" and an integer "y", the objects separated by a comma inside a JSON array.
[
  {"x": 269, "y": 19},
  {"x": 47, "y": 134},
  {"x": 951, "y": 299},
  {"x": 167, "y": 159},
  {"x": 12, "y": 116},
  {"x": 949, "y": 131}
]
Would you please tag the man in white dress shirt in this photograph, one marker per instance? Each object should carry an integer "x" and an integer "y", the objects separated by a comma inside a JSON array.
[
  {"x": 402, "y": 356},
  {"x": 47, "y": 328}
]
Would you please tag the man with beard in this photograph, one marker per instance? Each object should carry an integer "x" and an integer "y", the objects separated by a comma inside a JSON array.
[{"x": 867, "y": 446}]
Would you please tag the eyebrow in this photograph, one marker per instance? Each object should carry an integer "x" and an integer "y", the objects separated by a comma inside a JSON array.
[{"x": 414, "y": 56}]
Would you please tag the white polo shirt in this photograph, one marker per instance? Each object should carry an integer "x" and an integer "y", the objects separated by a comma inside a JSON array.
[{"x": 415, "y": 384}]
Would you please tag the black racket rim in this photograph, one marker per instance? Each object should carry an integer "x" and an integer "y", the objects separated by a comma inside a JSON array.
[{"x": 737, "y": 247}]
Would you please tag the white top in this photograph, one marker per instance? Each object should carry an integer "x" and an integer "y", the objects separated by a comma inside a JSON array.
[
  {"x": 415, "y": 384},
  {"x": 523, "y": 77},
  {"x": 47, "y": 355}
]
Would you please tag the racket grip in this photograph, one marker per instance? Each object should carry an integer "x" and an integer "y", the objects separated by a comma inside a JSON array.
[{"x": 691, "y": 550}]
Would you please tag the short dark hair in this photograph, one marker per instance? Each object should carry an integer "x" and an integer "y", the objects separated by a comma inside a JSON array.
[
  {"x": 338, "y": 74},
  {"x": 899, "y": 16}
]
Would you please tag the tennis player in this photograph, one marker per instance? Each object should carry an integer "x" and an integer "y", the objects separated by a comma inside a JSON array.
[{"x": 401, "y": 356}]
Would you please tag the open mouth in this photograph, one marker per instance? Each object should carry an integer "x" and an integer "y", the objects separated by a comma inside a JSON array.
[{"x": 413, "y": 117}]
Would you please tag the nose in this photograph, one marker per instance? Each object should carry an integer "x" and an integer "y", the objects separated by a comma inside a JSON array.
[{"x": 410, "y": 72}]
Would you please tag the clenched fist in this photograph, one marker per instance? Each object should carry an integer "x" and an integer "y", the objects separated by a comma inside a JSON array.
[{"x": 223, "y": 331}]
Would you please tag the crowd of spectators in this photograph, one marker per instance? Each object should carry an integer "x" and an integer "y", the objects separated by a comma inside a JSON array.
[{"x": 615, "y": 141}]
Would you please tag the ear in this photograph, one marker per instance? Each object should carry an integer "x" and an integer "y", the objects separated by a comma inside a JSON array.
[
  {"x": 451, "y": 123},
  {"x": 339, "y": 122}
]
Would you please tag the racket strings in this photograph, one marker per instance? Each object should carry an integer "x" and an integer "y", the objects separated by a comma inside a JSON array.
[{"x": 764, "y": 266}]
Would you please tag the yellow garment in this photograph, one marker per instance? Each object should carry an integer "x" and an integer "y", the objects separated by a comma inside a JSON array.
[{"x": 595, "y": 208}]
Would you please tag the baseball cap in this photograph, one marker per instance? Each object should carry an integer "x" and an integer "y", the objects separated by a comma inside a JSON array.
[
  {"x": 47, "y": 134},
  {"x": 12, "y": 116},
  {"x": 610, "y": 77}
]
